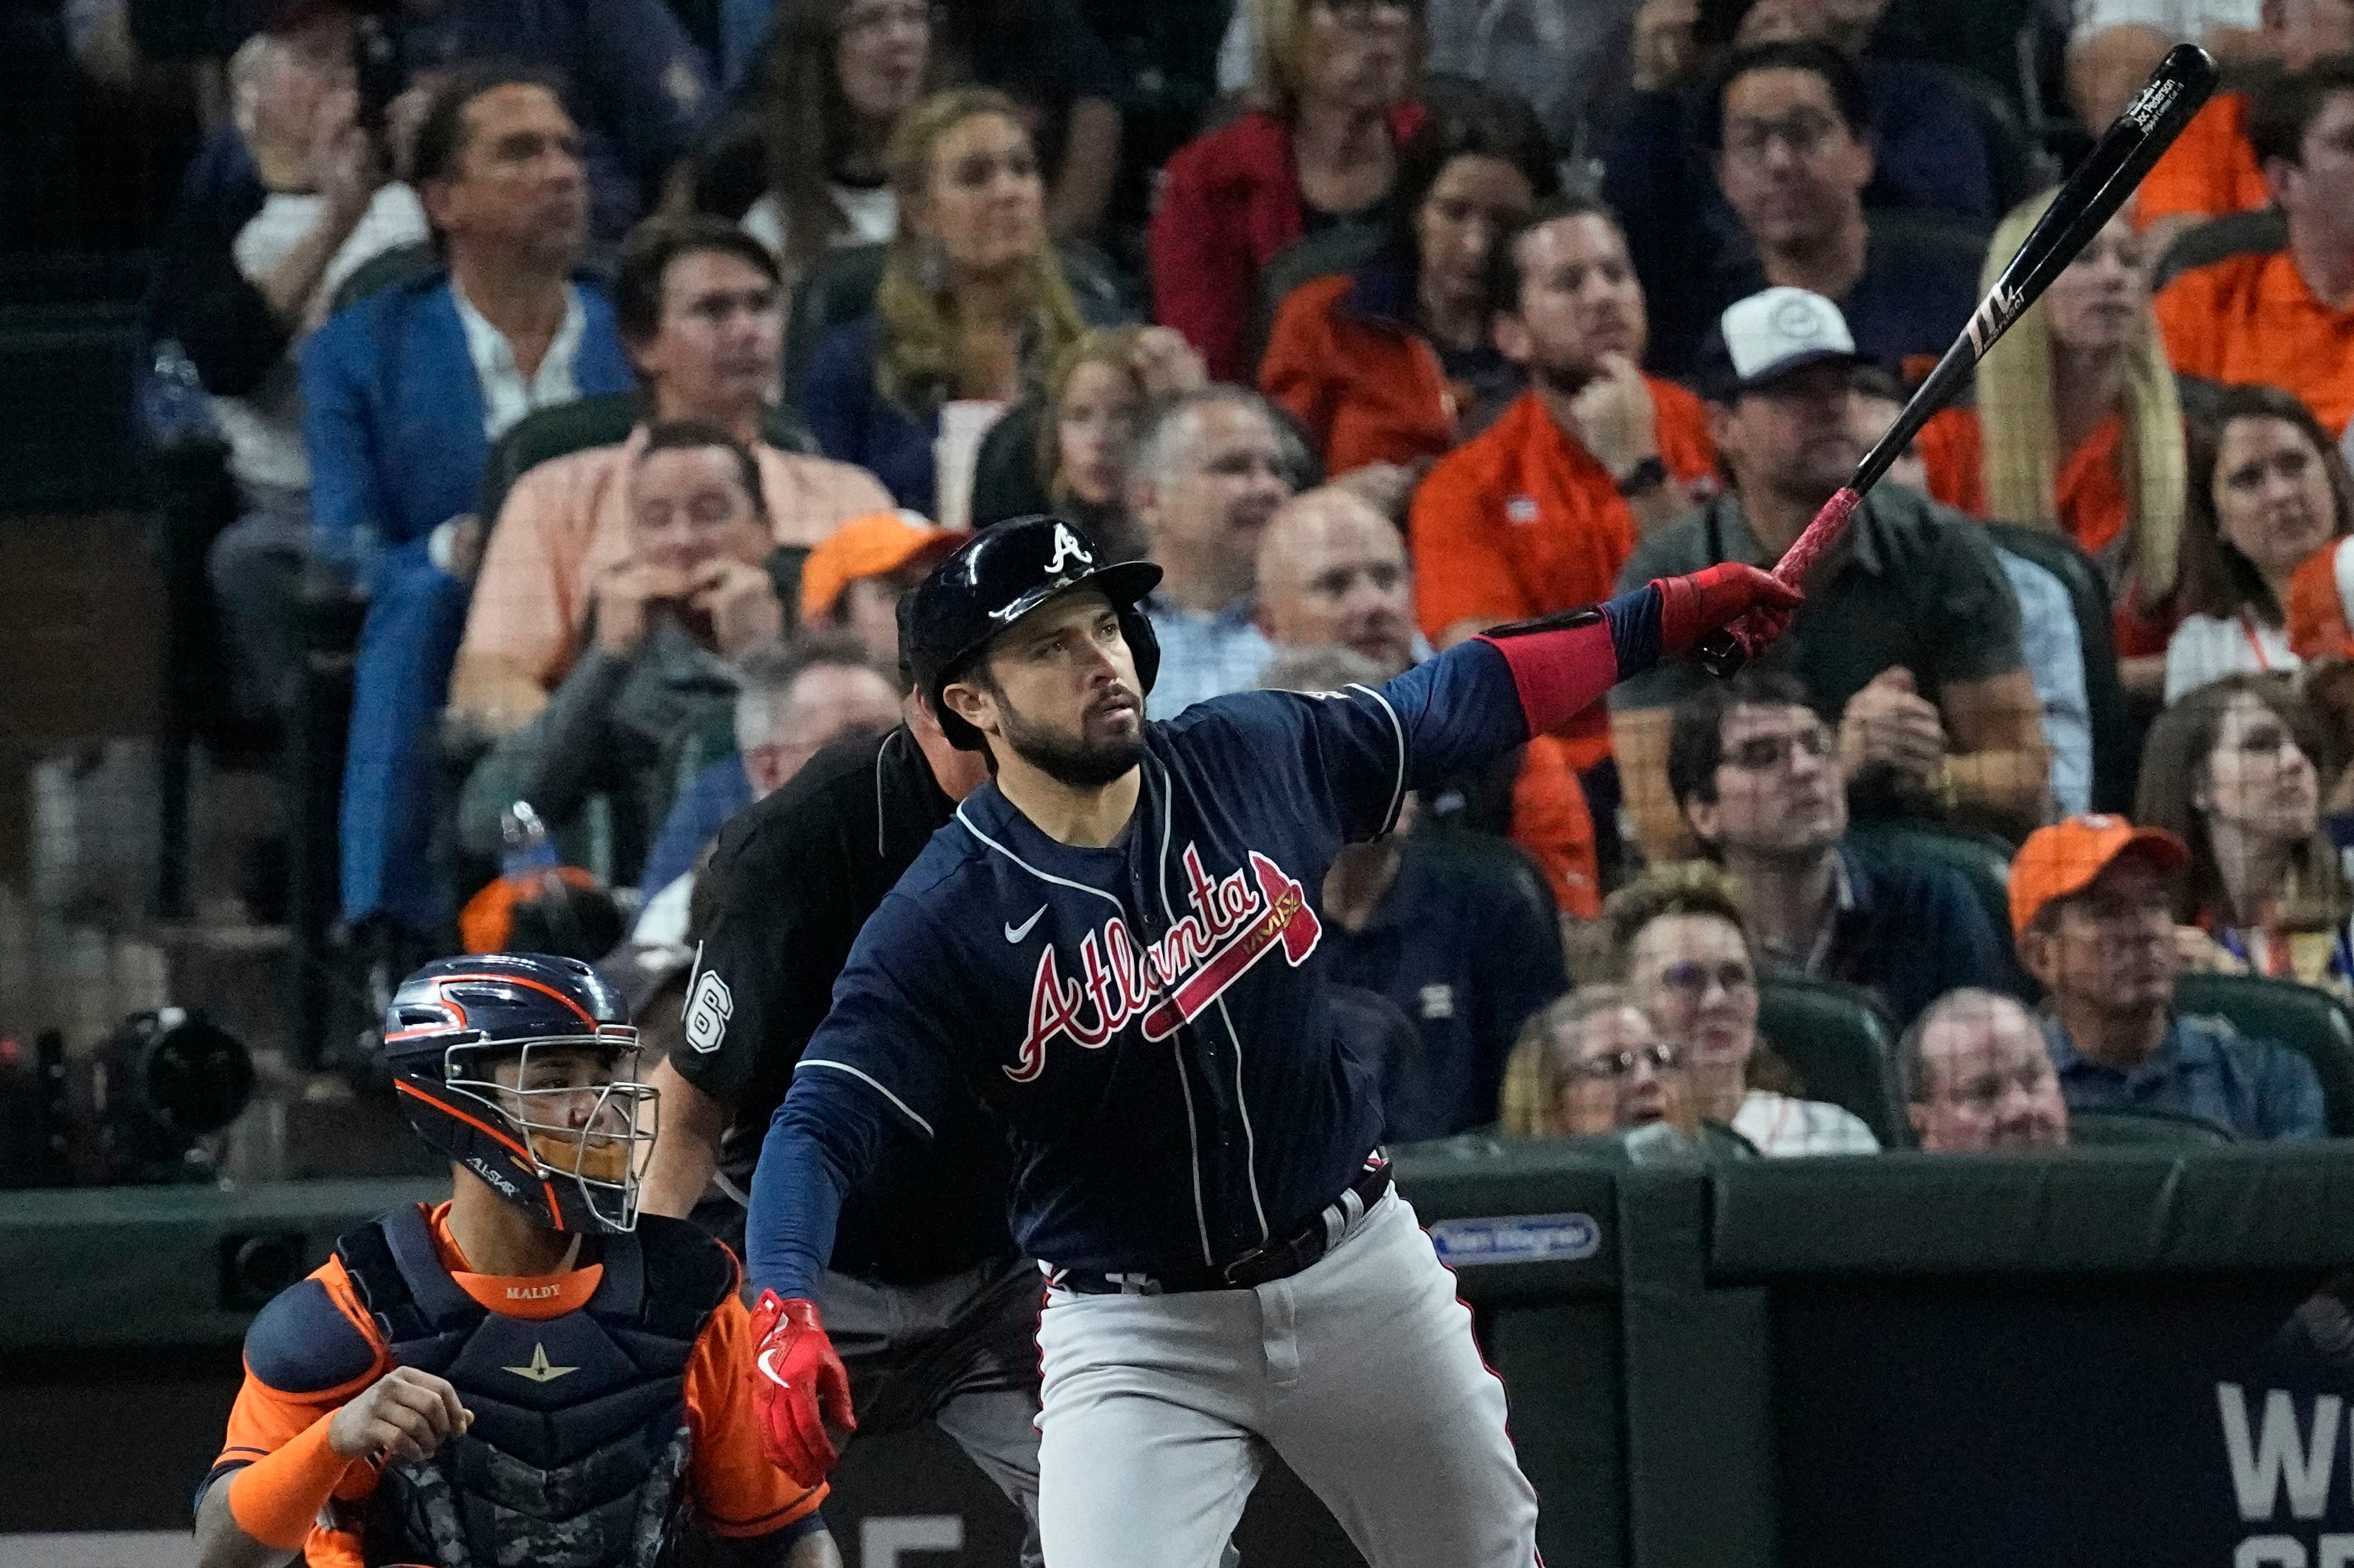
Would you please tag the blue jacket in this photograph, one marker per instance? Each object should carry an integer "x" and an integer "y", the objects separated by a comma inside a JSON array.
[
  {"x": 1909, "y": 934},
  {"x": 393, "y": 417}
]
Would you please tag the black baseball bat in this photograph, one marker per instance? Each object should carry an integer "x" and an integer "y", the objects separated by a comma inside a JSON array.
[{"x": 2089, "y": 199}]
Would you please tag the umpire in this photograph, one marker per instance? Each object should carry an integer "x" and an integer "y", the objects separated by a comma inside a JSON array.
[{"x": 928, "y": 1301}]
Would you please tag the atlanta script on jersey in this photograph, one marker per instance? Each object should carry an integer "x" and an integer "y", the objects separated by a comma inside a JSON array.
[
  {"x": 1149, "y": 1021},
  {"x": 1232, "y": 926}
]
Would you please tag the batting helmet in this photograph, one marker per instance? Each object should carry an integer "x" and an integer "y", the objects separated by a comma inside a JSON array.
[
  {"x": 996, "y": 577},
  {"x": 561, "y": 1144}
]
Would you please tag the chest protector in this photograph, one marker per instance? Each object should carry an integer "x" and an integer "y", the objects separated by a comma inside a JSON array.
[{"x": 579, "y": 1445}]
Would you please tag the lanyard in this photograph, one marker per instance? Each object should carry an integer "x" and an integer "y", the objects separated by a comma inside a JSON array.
[{"x": 2255, "y": 643}]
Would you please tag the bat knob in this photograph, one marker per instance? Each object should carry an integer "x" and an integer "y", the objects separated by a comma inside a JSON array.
[{"x": 1720, "y": 653}]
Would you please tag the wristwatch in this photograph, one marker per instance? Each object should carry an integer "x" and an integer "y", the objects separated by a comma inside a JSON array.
[{"x": 1643, "y": 477}]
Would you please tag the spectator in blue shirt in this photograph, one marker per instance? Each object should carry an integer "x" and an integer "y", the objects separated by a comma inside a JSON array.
[
  {"x": 1456, "y": 929},
  {"x": 1789, "y": 135},
  {"x": 1206, "y": 476},
  {"x": 2092, "y": 903},
  {"x": 637, "y": 84},
  {"x": 1755, "y": 770},
  {"x": 403, "y": 394}
]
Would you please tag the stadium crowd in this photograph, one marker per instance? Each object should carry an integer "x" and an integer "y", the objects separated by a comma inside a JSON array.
[{"x": 1422, "y": 317}]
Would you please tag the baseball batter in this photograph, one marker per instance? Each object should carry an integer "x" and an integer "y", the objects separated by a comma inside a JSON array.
[{"x": 1116, "y": 945}]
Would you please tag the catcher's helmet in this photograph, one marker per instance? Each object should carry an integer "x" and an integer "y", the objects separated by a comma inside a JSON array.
[
  {"x": 561, "y": 1144},
  {"x": 996, "y": 577}
]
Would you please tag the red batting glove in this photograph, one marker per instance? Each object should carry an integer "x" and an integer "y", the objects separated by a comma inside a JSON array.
[
  {"x": 800, "y": 1387},
  {"x": 1691, "y": 607}
]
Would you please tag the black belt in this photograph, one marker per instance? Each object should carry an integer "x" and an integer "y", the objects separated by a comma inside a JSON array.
[{"x": 1264, "y": 1265}]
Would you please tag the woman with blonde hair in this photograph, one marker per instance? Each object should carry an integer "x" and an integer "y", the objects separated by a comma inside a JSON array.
[
  {"x": 2235, "y": 771},
  {"x": 972, "y": 304},
  {"x": 1333, "y": 81},
  {"x": 2078, "y": 429},
  {"x": 1591, "y": 1063}
]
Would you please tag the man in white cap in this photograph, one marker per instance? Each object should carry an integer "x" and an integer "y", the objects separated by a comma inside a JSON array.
[{"x": 1909, "y": 639}]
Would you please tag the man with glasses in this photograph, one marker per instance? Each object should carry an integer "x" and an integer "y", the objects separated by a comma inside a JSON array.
[
  {"x": 2091, "y": 904},
  {"x": 1753, "y": 769},
  {"x": 1763, "y": 174},
  {"x": 1909, "y": 634}
]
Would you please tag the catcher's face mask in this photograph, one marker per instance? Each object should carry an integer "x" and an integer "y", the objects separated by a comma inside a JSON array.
[{"x": 581, "y": 1116}]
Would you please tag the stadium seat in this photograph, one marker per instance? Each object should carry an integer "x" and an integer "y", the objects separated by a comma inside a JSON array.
[
  {"x": 2144, "y": 1128},
  {"x": 600, "y": 421},
  {"x": 386, "y": 270},
  {"x": 840, "y": 288},
  {"x": 1005, "y": 473},
  {"x": 2304, "y": 1018},
  {"x": 2117, "y": 740},
  {"x": 2260, "y": 230},
  {"x": 1981, "y": 859},
  {"x": 1841, "y": 1044}
]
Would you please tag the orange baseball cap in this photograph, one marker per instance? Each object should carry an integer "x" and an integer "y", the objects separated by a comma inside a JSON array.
[
  {"x": 868, "y": 545},
  {"x": 2064, "y": 858}
]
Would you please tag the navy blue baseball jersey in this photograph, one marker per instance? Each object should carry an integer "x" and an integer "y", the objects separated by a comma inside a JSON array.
[{"x": 1149, "y": 1021}]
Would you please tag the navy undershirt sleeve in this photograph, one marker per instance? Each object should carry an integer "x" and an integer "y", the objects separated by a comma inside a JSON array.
[{"x": 827, "y": 1136}]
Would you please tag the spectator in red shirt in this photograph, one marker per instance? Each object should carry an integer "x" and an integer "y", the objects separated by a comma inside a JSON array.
[
  {"x": 1333, "y": 79},
  {"x": 2078, "y": 429},
  {"x": 1383, "y": 364},
  {"x": 1539, "y": 511}
]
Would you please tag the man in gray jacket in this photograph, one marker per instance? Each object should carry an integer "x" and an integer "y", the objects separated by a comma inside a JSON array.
[{"x": 651, "y": 701}]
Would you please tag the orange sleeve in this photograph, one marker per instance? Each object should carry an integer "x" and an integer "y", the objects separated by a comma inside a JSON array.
[
  {"x": 2189, "y": 320},
  {"x": 1552, "y": 822},
  {"x": 1294, "y": 369},
  {"x": 1682, "y": 431},
  {"x": 739, "y": 1492},
  {"x": 2317, "y": 628},
  {"x": 1461, "y": 569},
  {"x": 1953, "y": 447},
  {"x": 265, "y": 1420}
]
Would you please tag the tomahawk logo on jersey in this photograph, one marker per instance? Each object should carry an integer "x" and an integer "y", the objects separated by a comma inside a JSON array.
[{"x": 1158, "y": 1040}]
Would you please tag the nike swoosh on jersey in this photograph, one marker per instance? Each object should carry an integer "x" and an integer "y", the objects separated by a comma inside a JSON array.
[{"x": 1015, "y": 933}]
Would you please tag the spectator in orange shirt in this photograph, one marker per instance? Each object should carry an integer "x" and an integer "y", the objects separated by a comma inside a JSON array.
[
  {"x": 1333, "y": 571},
  {"x": 701, "y": 316},
  {"x": 1538, "y": 512},
  {"x": 534, "y": 1325},
  {"x": 2285, "y": 318},
  {"x": 2078, "y": 429},
  {"x": 2211, "y": 171},
  {"x": 1384, "y": 363}
]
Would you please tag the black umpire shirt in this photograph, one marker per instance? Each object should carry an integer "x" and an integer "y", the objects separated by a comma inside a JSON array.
[{"x": 797, "y": 875}]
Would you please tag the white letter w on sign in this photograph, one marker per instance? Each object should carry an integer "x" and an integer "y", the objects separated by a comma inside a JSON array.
[{"x": 2281, "y": 1456}]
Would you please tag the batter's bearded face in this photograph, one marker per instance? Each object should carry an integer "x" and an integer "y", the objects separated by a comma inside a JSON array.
[{"x": 1060, "y": 691}]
